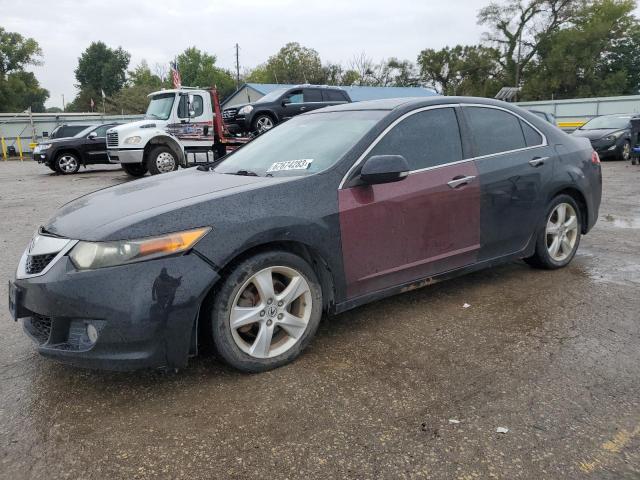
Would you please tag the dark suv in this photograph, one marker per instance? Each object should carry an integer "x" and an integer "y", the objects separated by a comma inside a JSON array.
[
  {"x": 66, "y": 155},
  {"x": 281, "y": 105}
]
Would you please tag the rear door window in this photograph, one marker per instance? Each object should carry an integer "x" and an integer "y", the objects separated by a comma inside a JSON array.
[
  {"x": 333, "y": 96},
  {"x": 425, "y": 139},
  {"x": 494, "y": 131},
  {"x": 312, "y": 95}
]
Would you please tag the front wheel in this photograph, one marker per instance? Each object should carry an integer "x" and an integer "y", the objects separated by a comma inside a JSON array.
[
  {"x": 266, "y": 311},
  {"x": 625, "y": 151},
  {"x": 559, "y": 237},
  {"x": 135, "y": 169},
  {"x": 67, "y": 164},
  {"x": 161, "y": 159},
  {"x": 263, "y": 123}
]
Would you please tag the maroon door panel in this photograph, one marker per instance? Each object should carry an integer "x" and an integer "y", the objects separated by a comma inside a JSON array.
[{"x": 399, "y": 232}]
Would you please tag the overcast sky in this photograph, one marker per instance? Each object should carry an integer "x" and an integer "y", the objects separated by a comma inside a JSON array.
[{"x": 156, "y": 30}]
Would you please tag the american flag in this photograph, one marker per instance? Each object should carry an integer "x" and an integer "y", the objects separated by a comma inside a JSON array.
[{"x": 175, "y": 74}]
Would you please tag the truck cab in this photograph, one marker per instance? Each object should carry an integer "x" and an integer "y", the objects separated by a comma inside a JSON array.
[{"x": 177, "y": 121}]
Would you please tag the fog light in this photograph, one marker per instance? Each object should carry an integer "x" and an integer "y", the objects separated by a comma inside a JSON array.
[{"x": 92, "y": 333}]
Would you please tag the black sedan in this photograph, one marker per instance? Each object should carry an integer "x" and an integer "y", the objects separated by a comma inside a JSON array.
[
  {"x": 331, "y": 210},
  {"x": 610, "y": 135},
  {"x": 67, "y": 155}
]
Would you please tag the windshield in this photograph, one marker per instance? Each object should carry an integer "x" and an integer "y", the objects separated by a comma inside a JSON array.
[
  {"x": 84, "y": 132},
  {"x": 607, "y": 122},
  {"x": 270, "y": 97},
  {"x": 304, "y": 145},
  {"x": 160, "y": 106}
]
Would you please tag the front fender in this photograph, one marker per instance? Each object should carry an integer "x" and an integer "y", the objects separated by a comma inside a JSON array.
[{"x": 170, "y": 141}]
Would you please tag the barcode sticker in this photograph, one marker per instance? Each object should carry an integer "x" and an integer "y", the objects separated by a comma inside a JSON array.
[{"x": 301, "y": 164}]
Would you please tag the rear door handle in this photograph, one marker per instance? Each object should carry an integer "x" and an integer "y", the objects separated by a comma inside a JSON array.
[
  {"x": 302, "y": 109},
  {"x": 538, "y": 161},
  {"x": 458, "y": 182}
]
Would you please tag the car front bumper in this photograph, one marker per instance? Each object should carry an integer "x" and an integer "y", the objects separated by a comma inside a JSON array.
[
  {"x": 145, "y": 314},
  {"x": 129, "y": 155},
  {"x": 238, "y": 124}
]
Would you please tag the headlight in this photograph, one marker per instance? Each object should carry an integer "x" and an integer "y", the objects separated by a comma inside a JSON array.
[
  {"x": 614, "y": 136},
  {"x": 244, "y": 110},
  {"x": 91, "y": 255},
  {"x": 132, "y": 140}
]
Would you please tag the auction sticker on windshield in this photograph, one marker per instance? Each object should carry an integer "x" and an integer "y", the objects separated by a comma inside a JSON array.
[{"x": 301, "y": 164}]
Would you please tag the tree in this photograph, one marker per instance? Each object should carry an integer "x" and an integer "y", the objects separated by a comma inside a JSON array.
[
  {"x": 19, "y": 89},
  {"x": 517, "y": 28},
  {"x": 198, "y": 69},
  {"x": 141, "y": 76},
  {"x": 292, "y": 64},
  {"x": 101, "y": 68},
  {"x": 462, "y": 70},
  {"x": 597, "y": 55}
]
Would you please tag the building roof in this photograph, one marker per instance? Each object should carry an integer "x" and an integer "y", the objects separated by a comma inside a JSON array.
[{"x": 356, "y": 93}]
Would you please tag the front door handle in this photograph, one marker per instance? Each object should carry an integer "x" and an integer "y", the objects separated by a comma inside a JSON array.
[
  {"x": 302, "y": 109},
  {"x": 538, "y": 161},
  {"x": 458, "y": 182}
]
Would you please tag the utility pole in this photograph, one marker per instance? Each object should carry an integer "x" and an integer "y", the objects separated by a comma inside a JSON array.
[
  {"x": 63, "y": 106},
  {"x": 237, "y": 66}
]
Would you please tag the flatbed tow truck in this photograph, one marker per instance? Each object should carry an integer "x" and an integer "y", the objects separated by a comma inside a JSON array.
[{"x": 180, "y": 126}]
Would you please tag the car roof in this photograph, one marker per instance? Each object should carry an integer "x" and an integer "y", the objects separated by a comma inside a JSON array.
[{"x": 412, "y": 102}]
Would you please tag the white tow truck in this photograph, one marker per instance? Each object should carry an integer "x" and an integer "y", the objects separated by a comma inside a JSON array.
[{"x": 178, "y": 123}]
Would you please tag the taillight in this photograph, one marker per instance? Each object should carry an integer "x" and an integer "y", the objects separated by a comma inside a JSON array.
[{"x": 595, "y": 158}]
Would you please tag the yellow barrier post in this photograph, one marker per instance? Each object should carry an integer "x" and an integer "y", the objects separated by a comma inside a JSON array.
[
  {"x": 20, "y": 148},
  {"x": 3, "y": 144}
]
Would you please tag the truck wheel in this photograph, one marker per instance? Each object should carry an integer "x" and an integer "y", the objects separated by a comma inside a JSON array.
[
  {"x": 135, "y": 169},
  {"x": 161, "y": 159},
  {"x": 67, "y": 164}
]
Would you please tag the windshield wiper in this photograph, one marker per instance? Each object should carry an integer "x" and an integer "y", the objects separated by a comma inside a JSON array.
[{"x": 246, "y": 173}]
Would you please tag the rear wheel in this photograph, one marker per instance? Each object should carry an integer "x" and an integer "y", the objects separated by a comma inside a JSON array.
[
  {"x": 67, "y": 163},
  {"x": 266, "y": 311},
  {"x": 161, "y": 159},
  {"x": 135, "y": 169},
  {"x": 559, "y": 237}
]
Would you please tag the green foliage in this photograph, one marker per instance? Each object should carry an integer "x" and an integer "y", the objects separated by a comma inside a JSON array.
[
  {"x": 19, "y": 89},
  {"x": 141, "y": 76},
  {"x": 101, "y": 68},
  {"x": 462, "y": 70},
  {"x": 198, "y": 69},
  {"x": 597, "y": 55},
  {"x": 292, "y": 64}
]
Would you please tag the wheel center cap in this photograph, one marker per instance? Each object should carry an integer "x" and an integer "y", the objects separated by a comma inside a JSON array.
[{"x": 272, "y": 311}]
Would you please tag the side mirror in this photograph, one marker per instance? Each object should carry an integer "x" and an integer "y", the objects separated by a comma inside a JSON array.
[
  {"x": 286, "y": 101},
  {"x": 384, "y": 169},
  {"x": 92, "y": 136}
]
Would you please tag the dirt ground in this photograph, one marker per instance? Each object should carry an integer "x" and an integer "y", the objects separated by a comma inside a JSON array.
[{"x": 554, "y": 357}]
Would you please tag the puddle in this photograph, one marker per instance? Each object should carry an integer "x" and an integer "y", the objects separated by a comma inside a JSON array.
[{"x": 617, "y": 222}]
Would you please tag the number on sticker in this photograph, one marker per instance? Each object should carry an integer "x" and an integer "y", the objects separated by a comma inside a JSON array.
[{"x": 301, "y": 164}]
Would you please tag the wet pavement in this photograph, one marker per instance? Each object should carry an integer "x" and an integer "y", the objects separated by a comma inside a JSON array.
[{"x": 554, "y": 357}]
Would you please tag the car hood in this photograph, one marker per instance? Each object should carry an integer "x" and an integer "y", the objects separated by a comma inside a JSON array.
[
  {"x": 596, "y": 134},
  {"x": 117, "y": 213},
  {"x": 238, "y": 106}
]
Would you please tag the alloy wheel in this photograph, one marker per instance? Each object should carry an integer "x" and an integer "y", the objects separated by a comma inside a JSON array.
[
  {"x": 263, "y": 124},
  {"x": 271, "y": 312},
  {"x": 68, "y": 163},
  {"x": 626, "y": 151},
  {"x": 562, "y": 232},
  {"x": 165, "y": 162}
]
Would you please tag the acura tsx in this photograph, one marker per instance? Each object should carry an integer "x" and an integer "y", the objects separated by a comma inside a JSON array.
[{"x": 330, "y": 210}]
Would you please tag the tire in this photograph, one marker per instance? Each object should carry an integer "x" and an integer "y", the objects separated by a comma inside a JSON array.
[
  {"x": 134, "y": 169},
  {"x": 52, "y": 167},
  {"x": 625, "y": 151},
  {"x": 547, "y": 241},
  {"x": 161, "y": 159},
  {"x": 245, "y": 347},
  {"x": 67, "y": 163},
  {"x": 263, "y": 123}
]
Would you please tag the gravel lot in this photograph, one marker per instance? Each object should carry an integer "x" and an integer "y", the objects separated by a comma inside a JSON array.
[{"x": 552, "y": 356}]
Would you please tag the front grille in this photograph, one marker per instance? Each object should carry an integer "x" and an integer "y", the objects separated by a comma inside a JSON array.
[
  {"x": 229, "y": 113},
  {"x": 112, "y": 139},
  {"x": 37, "y": 263},
  {"x": 40, "y": 327}
]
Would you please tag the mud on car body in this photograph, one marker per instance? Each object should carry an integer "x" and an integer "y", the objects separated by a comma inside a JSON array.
[{"x": 331, "y": 210}]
